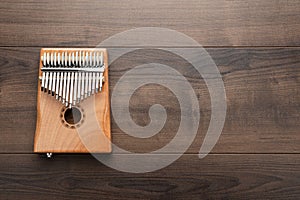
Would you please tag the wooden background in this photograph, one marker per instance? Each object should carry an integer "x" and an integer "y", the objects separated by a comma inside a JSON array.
[{"x": 255, "y": 45}]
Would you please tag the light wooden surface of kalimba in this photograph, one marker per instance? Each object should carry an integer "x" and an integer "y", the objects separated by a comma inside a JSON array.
[{"x": 57, "y": 130}]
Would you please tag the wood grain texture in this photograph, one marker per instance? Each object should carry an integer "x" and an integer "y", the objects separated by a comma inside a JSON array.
[
  {"x": 222, "y": 23},
  {"x": 262, "y": 87},
  {"x": 255, "y": 45},
  {"x": 214, "y": 177}
]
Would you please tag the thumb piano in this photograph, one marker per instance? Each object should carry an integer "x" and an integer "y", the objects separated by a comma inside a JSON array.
[{"x": 73, "y": 107}]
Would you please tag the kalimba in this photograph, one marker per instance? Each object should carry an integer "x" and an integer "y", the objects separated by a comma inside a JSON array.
[{"x": 73, "y": 107}]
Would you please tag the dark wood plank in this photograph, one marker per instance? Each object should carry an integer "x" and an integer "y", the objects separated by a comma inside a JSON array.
[
  {"x": 211, "y": 23},
  {"x": 215, "y": 177},
  {"x": 262, "y": 86}
]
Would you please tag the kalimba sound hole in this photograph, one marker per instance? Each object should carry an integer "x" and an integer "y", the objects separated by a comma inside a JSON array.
[{"x": 72, "y": 115}]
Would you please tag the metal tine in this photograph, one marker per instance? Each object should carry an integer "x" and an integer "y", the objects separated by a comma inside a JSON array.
[
  {"x": 101, "y": 74},
  {"x": 65, "y": 79},
  {"x": 72, "y": 81},
  {"x": 68, "y": 82},
  {"x": 54, "y": 75},
  {"x": 61, "y": 78},
  {"x": 89, "y": 77},
  {"x": 101, "y": 59},
  {"x": 90, "y": 74},
  {"x": 47, "y": 73},
  {"x": 57, "y": 76},
  {"x": 79, "y": 78},
  {"x": 43, "y": 73},
  {"x": 67, "y": 73},
  {"x": 75, "y": 79},
  {"x": 101, "y": 81},
  {"x": 82, "y": 77},
  {"x": 86, "y": 75},
  {"x": 97, "y": 74},
  {"x": 51, "y": 74},
  {"x": 94, "y": 74}
]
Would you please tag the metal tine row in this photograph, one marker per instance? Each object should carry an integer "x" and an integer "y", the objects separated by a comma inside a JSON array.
[{"x": 72, "y": 87}]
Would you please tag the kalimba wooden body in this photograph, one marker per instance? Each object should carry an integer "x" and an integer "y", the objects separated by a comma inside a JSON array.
[{"x": 75, "y": 124}]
